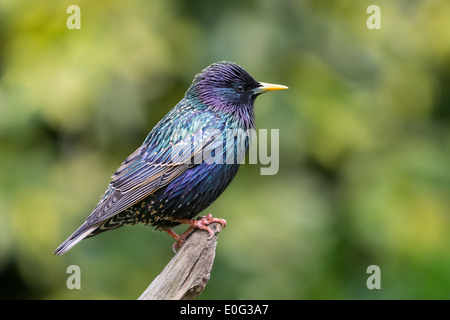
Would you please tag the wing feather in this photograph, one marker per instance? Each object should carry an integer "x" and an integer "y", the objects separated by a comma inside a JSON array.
[{"x": 141, "y": 174}]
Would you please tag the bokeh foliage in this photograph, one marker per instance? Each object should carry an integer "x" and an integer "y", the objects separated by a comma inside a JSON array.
[{"x": 364, "y": 144}]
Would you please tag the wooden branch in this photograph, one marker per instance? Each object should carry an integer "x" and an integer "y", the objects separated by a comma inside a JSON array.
[{"x": 187, "y": 274}]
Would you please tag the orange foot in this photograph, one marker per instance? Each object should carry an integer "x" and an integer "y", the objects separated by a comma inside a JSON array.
[{"x": 199, "y": 223}]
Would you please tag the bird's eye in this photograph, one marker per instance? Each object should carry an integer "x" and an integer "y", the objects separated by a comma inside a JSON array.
[{"x": 240, "y": 89}]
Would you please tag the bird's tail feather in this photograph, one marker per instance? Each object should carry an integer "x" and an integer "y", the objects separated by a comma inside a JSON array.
[{"x": 76, "y": 237}]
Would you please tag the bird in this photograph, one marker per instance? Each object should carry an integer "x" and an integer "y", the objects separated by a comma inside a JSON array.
[{"x": 184, "y": 164}]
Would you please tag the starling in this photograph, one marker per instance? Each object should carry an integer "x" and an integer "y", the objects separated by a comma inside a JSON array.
[{"x": 171, "y": 177}]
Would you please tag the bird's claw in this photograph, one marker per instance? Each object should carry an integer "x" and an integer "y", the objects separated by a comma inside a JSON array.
[
  {"x": 203, "y": 222},
  {"x": 199, "y": 223}
]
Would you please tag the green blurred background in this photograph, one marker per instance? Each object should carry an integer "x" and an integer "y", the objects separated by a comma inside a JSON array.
[{"x": 364, "y": 144}]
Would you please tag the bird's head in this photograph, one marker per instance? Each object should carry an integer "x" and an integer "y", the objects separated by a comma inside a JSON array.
[{"x": 227, "y": 87}]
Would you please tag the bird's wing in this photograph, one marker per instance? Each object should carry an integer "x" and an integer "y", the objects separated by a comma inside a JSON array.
[{"x": 146, "y": 170}]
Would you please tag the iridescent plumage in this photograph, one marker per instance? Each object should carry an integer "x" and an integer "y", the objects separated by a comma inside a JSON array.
[{"x": 177, "y": 173}]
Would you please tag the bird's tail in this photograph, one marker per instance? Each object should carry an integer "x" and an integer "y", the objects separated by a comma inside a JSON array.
[{"x": 76, "y": 237}]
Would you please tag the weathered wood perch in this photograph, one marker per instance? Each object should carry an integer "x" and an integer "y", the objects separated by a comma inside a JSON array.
[{"x": 187, "y": 274}]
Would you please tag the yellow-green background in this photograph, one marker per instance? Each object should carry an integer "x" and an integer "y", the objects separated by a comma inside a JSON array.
[{"x": 364, "y": 144}]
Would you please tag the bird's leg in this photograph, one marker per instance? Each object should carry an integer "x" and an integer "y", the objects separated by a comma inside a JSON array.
[
  {"x": 179, "y": 239},
  {"x": 172, "y": 233},
  {"x": 177, "y": 244},
  {"x": 199, "y": 223}
]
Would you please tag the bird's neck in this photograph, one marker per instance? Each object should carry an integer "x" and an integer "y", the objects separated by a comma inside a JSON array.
[
  {"x": 242, "y": 115},
  {"x": 245, "y": 117}
]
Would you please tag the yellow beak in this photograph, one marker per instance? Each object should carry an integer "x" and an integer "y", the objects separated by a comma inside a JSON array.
[{"x": 264, "y": 87}]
